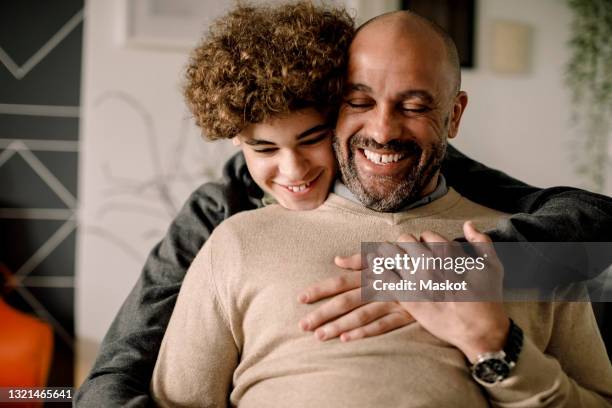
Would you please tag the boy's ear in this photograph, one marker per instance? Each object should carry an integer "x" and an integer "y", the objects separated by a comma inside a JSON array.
[{"x": 235, "y": 141}]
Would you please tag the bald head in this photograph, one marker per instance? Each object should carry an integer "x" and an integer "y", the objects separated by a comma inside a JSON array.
[{"x": 403, "y": 25}]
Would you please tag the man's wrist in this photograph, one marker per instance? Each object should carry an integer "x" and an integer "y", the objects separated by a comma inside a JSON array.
[
  {"x": 489, "y": 341},
  {"x": 494, "y": 367}
]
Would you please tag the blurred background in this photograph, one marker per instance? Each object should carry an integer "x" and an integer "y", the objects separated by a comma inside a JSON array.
[{"x": 98, "y": 152}]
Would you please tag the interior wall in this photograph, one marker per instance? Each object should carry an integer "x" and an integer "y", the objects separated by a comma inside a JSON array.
[
  {"x": 141, "y": 157},
  {"x": 521, "y": 123}
]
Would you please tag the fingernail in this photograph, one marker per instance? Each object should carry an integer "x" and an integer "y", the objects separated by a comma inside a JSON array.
[
  {"x": 345, "y": 337},
  {"x": 303, "y": 325},
  {"x": 303, "y": 298},
  {"x": 320, "y": 333}
]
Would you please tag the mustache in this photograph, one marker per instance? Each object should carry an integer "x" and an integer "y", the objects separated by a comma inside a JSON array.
[{"x": 395, "y": 146}]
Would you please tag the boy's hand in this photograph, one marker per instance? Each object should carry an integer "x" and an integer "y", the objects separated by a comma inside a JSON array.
[{"x": 344, "y": 314}]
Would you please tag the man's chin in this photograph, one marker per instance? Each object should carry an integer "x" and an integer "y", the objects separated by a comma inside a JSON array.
[
  {"x": 384, "y": 194},
  {"x": 378, "y": 188}
]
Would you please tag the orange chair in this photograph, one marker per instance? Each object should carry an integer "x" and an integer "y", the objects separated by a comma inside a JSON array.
[{"x": 26, "y": 348}]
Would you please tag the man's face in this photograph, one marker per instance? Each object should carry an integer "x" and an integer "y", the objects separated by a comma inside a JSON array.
[
  {"x": 291, "y": 158},
  {"x": 399, "y": 108}
]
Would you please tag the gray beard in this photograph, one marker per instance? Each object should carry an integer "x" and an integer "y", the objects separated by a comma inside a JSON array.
[{"x": 398, "y": 194}]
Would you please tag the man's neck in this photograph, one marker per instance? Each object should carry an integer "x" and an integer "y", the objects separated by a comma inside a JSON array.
[{"x": 440, "y": 190}]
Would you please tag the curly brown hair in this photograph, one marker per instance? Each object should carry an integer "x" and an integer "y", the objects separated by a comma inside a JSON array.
[{"x": 258, "y": 62}]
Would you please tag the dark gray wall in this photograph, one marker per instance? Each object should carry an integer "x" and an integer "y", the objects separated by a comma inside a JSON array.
[{"x": 40, "y": 76}]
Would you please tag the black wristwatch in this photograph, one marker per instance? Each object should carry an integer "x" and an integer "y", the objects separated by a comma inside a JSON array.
[{"x": 491, "y": 368}]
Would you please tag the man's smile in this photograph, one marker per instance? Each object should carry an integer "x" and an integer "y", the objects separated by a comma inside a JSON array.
[
  {"x": 387, "y": 164},
  {"x": 382, "y": 158}
]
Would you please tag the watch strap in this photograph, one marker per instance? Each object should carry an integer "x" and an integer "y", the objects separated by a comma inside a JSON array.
[
  {"x": 493, "y": 367},
  {"x": 514, "y": 343}
]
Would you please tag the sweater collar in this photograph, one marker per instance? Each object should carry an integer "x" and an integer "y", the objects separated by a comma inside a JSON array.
[
  {"x": 340, "y": 189},
  {"x": 440, "y": 191}
]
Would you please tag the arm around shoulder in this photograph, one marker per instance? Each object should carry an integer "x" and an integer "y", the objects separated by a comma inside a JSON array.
[{"x": 198, "y": 354}]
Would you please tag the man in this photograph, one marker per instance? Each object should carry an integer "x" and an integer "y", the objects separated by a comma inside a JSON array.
[
  {"x": 227, "y": 341},
  {"x": 123, "y": 371},
  {"x": 402, "y": 99}
]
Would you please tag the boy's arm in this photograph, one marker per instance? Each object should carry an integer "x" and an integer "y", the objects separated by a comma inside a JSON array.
[
  {"x": 198, "y": 354},
  {"x": 551, "y": 214},
  {"x": 484, "y": 185},
  {"x": 123, "y": 368},
  {"x": 557, "y": 214}
]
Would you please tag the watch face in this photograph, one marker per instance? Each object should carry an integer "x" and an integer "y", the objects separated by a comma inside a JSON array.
[{"x": 492, "y": 370}]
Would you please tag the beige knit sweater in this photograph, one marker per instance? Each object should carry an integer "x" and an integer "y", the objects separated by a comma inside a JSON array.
[{"x": 233, "y": 338}]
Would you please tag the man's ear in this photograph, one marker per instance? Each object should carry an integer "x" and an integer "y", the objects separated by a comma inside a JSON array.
[
  {"x": 235, "y": 141},
  {"x": 459, "y": 104}
]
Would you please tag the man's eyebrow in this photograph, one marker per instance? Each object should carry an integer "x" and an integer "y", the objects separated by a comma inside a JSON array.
[
  {"x": 425, "y": 96},
  {"x": 358, "y": 87},
  {"x": 257, "y": 142}
]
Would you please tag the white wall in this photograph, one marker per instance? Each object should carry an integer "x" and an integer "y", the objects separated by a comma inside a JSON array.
[
  {"x": 137, "y": 142},
  {"x": 517, "y": 123},
  {"x": 521, "y": 123}
]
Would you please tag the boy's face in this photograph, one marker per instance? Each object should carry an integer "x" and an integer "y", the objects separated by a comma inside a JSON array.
[{"x": 290, "y": 157}]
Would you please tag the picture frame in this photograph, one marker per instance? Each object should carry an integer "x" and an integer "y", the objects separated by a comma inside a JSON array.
[
  {"x": 168, "y": 24},
  {"x": 456, "y": 17}
]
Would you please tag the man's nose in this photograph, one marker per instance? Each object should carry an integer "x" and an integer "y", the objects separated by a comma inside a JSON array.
[
  {"x": 294, "y": 166},
  {"x": 384, "y": 125}
]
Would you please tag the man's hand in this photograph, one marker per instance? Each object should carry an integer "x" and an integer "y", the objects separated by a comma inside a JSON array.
[
  {"x": 345, "y": 315},
  {"x": 472, "y": 327}
]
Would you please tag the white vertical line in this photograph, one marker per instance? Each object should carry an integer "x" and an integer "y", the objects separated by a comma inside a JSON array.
[{"x": 47, "y": 176}]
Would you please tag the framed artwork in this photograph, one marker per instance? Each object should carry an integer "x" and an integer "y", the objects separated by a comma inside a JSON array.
[
  {"x": 457, "y": 17},
  {"x": 173, "y": 24}
]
